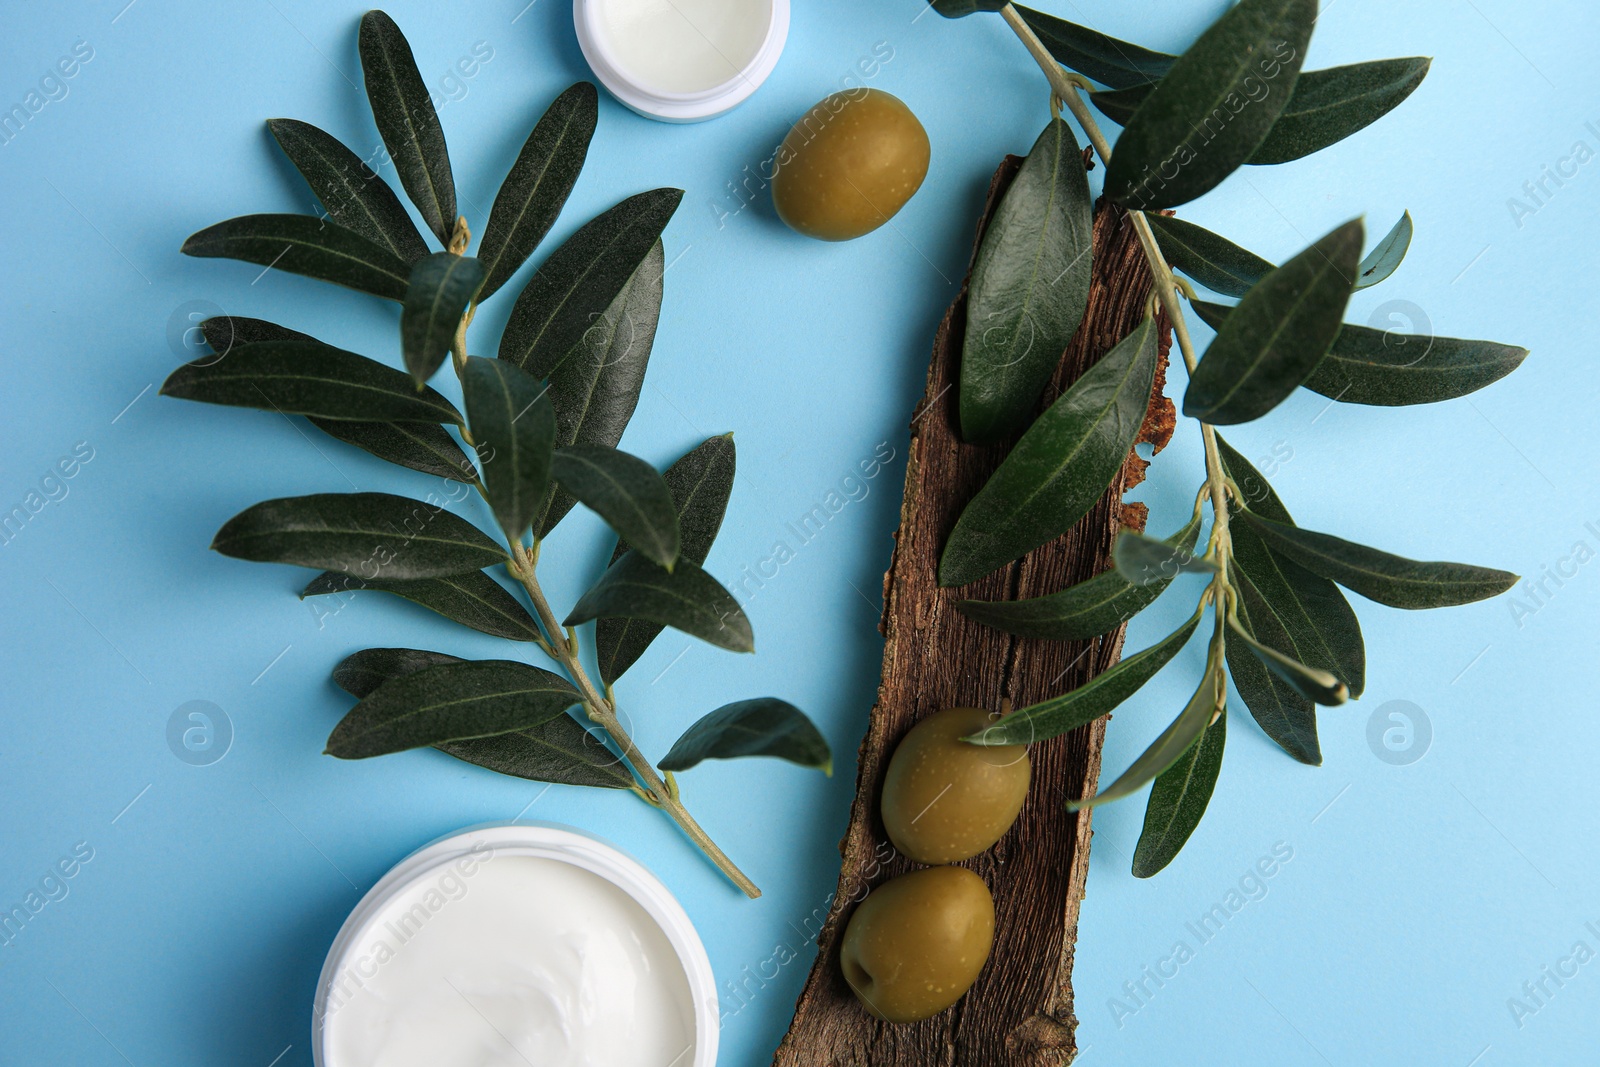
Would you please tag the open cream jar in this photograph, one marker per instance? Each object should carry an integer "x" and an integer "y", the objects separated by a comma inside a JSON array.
[
  {"x": 681, "y": 60},
  {"x": 512, "y": 944}
]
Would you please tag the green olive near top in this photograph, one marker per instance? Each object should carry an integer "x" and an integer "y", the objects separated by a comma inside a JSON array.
[
  {"x": 849, "y": 164},
  {"x": 916, "y": 944},
  {"x": 946, "y": 800}
]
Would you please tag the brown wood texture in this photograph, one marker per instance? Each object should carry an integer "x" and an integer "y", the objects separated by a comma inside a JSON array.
[{"x": 1020, "y": 1012}]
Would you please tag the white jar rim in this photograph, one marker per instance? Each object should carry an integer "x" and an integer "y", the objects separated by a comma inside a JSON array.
[
  {"x": 671, "y": 106},
  {"x": 545, "y": 841}
]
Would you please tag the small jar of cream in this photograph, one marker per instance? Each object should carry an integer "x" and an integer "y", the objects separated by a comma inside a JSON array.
[
  {"x": 681, "y": 60},
  {"x": 516, "y": 943}
]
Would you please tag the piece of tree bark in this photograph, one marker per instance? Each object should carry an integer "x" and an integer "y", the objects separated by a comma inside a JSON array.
[{"x": 1020, "y": 1012}]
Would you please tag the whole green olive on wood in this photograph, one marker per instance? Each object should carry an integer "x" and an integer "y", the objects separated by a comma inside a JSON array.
[
  {"x": 946, "y": 800},
  {"x": 849, "y": 164}
]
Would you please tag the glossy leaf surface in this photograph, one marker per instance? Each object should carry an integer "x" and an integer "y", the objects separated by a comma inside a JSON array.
[
  {"x": 625, "y": 491},
  {"x": 440, "y": 289},
  {"x": 685, "y": 598},
  {"x": 765, "y": 726},
  {"x": 515, "y": 430}
]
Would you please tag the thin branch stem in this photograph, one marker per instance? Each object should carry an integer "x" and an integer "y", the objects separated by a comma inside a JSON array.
[{"x": 1069, "y": 90}]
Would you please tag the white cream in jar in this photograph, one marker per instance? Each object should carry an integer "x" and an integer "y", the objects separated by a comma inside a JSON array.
[{"x": 499, "y": 956}]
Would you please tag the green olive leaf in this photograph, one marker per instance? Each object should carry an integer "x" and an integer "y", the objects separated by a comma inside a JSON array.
[
  {"x": 403, "y": 110},
  {"x": 1329, "y": 105},
  {"x": 1208, "y": 704},
  {"x": 1092, "y": 607},
  {"x": 1059, "y": 467},
  {"x": 575, "y": 286},
  {"x": 1392, "y": 369},
  {"x": 441, "y": 287},
  {"x": 1085, "y": 704},
  {"x": 450, "y": 702},
  {"x": 309, "y": 378},
  {"x": 595, "y": 384},
  {"x": 1272, "y": 342},
  {"x": 955, "y": 9},
  {"x": 685, "y": 598},
  {"x": 362, "y": 672},
  {"x": 420, "y": 446},
  {"x": 1316, "y": 685},
  {"x": 701, "y": 483},
  {"x": 1029, "y": 288},
  {"x": 1091, "y": 53},
  {"x": 514, "y": 428},
  {"x": 1214, "y": 108},
  {"x": 1178, "y": 801},
  {"x": 1386, "y": 256},
  {"x": 625, "y": 491},
  {"x": 224, "y": 332},
  {"x": 1144, "y": 561},
  {"x": 1213, "y": 261},
  {"x": 538, "y": 185},
  {"x": 370, "y": 535},
  {"x": 1282, "y": 712},
  {"x": 473, "y": 599},
  {"x": 1382, "y": 576},
  {"x": 351, "y": 193},
  {"x": 303, "y": 244},
  {"x": 765, "y": 726},
  {"x": 1301, "y": 614}
]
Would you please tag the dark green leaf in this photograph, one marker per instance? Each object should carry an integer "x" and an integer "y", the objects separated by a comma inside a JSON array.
[
  {"x": 1119, "y": 105},
  {"x": 557, "y": 750},
  {"x": 1281, "y": 711},
  {"x": 1204, "y": 708},
  {"x": 1392, "y": 369},
  {"x": 1093, "y": 54},
  {"x": 309, "y": 378},
  {"x": 1178, "y": 801},
  {"x": 1213, "y": 261},
  {"x": 1329, "y": 105},
  {"x": 1382, "y": 576},
  {"x": 371, "y": 535},
  {"x": 1386, "y": 257},
  {"x": 625, "y": 491},
  {"x": 1145, "y": 561},
  {"x": 226, "y": 332},
  {"x": 473, "y": 599},
  {"x": 1029, "y": 288},
  {"x": 515, "y": 427},
  {"x": 1300, "y": 614},
  {"x": 403, "y": 111},
  {"x": 1277, "y": 335},
  {"x": 302, "y": 244},
  {"x": 1315, "y": 685},
  {"x": 421, "y": 446},
  {"x": 531, "y": 196},
  {"x": 1085, "y": 704},
  {"x": 1214, "y": 108},
  {"x": 351, "y": 193},
  {"x": 362, "y": 672},
  {"x": 1078, "y": 612},
  {"x": 576, "y": 285},
  {"x": 450, "y": 702},
  {"x": 685, "y": 598},
  {"x": 595, "y": 385},
  {"x": 441, "y": 287},
  {"x": 954, "y": 9},
  {"x": 1061, "y": 465},
  {"x": 700, "y": 483},
  {"x": 765, "y": 726}
]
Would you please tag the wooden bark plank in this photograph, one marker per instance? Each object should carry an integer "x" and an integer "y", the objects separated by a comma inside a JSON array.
[{"x": 1020, "y": 1012}]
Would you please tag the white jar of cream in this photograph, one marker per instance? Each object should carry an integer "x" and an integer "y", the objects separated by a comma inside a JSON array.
[
  {"x": 681, "y": 60},
  {"x": 516, "y": 943}
]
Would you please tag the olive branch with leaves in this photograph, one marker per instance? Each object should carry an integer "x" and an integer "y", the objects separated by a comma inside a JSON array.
[
  {"x": 542, "y": 423},
  {"x": 1281, "y": 628}
]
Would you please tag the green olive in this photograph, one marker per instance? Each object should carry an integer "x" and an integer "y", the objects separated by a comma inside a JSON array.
[
  {"x": 946, "y": 800},
  {"x": 849, "y": 164},
  {"x": 916, "y": 944}
]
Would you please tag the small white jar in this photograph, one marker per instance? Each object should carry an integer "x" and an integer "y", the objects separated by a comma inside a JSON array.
[
  {"x": 681, "y": 60},
  {"x": 450, "y": 889}
]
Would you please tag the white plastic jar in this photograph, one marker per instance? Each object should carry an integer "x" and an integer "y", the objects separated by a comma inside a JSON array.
[
  {"x": 516, "y": 943},
  {"x": 681, "y": 60}
]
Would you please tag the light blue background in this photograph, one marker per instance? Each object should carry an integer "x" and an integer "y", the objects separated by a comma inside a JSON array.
[{"x": 1419, "y": 898}]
